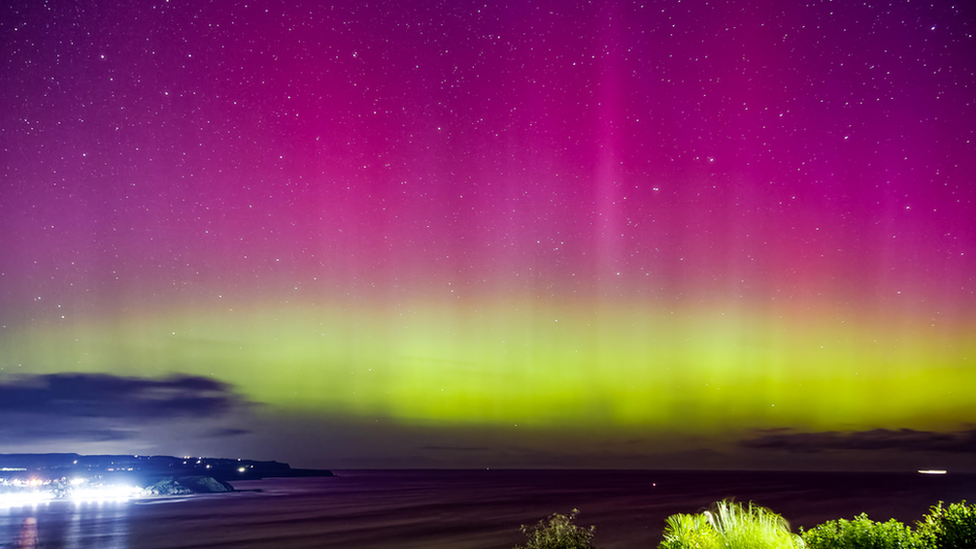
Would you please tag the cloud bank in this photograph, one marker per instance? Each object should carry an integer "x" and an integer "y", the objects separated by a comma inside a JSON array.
[
  {"x": 102, "y": 395},
  {"x": 905, "y": 440},
  {"x": 72, "y": 408}
]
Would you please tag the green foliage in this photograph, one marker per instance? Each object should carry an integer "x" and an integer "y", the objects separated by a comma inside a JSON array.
[
  {"x": 861, "y": 533},
  {"x": 952, "y": 527},
  {"x": 752, "y": 527},
  {"x": 689, "y": 532},
  {"x": 558, "y": 533},
  {"x": 730, "y": 525}
]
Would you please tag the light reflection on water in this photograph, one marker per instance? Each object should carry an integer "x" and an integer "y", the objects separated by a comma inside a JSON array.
[
  {"x": 458, "y": 509},
  {"x": 66, "y": 524},
  {"x": 28, "y": 534}
]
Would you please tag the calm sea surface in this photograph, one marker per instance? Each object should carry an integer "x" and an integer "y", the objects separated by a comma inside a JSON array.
[{"x": 463, "y": 509}]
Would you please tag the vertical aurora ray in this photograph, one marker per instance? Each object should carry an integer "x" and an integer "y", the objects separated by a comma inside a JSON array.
[{"x": 612, "y": 217}]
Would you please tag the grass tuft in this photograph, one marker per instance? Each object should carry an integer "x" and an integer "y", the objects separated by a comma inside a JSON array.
[{"x": 730, "y": 525}]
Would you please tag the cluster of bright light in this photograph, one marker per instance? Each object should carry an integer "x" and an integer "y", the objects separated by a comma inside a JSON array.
[
  {"x": 105, "y": 493},
  {"x": 24, "y": 483},
  {"x": 34, "y": 495},
  {"x": 24, "y": 499}
]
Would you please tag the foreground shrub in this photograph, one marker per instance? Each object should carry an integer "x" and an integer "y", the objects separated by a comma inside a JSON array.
[
  {"x": 730, "y": 525},
  {"x": 558, "y": 532},
  {"x": 861, "y": 533},
  {"x": 952, "y": 527},
  {"x": 690, "y": 532}
]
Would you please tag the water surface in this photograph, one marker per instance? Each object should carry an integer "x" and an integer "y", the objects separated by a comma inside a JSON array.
[{"x": 462, "y": 509}]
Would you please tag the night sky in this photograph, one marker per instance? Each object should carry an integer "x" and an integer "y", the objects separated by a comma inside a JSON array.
[{"x": 456, "y": 234}]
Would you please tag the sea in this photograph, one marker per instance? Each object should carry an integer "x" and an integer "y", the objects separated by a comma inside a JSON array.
[{"x": 463, "y": 509}]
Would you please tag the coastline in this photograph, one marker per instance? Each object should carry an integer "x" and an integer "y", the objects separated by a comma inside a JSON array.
[{"x": 476, "y": 509}]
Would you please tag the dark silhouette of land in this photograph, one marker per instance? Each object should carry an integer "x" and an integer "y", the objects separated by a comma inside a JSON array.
[{"x": 148, "y": 469}]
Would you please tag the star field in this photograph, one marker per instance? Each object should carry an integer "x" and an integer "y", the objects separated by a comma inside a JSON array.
[{"x": 687, "y": 218}]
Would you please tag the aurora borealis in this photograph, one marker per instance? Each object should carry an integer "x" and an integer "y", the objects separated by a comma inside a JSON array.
[{"x": 684, "y": 224}]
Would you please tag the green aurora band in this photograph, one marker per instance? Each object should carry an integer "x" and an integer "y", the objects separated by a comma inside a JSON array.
[{"x": 701, "y": 370}]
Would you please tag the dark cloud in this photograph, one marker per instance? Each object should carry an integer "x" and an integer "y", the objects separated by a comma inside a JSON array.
[
  {"x": 100, "y": 413},
  {"x": 906, "y": 440},
  {"x": 456, "y": 448},
  {"x": 107, "y": 396},
  {"x": 230, "y": 432},
  {"x": 28, "y": 430}
]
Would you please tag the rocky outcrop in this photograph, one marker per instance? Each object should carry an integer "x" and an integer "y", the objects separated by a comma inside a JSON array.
[
  {"x": 167, "y": 487},
  {"x": 205, "y": 485},
  {"x": 183, "y": 486}
]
